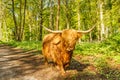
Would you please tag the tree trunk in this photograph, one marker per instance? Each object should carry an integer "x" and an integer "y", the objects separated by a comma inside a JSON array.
[
  {"x": 22, "y": 29},
  {"x": 58, "y": 15},
  {"x": 1, "y": 14},
  {"x": 30, "y": 30},
  {"x": 67, "y": 15},
  {"x": 15, "y": 22},
  {"x": 101, "y": 21},
  {"x": 41, "y": 20},
  {"x": 90, "y": 34},
  {"x": 51, "y": 14},
  {"x": 5, "y": 28},
  {"x": 66, "y": 10},
  {"x": 20, "y": 24},
  {"x": 98, "y": 30},
  {"x": 111, "y": 18},
  {"x": 0, "y": 30},
  {"x": 98, "y": 24},
  {"x": 78, "y": 19},
  {"x": 78, "y": 13}
]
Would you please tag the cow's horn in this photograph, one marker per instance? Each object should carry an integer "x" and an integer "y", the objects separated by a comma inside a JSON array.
[
  {"x": 52, "y": 30},
  {"x": 87, "y": 30}
]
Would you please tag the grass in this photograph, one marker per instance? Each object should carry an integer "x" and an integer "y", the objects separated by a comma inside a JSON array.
[{"x": 26, "y": 45}]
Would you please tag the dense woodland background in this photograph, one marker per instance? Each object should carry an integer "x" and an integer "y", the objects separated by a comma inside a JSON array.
[{"x": 22, "y": 20}]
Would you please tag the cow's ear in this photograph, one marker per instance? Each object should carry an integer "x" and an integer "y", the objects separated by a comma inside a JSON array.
[
  {"x": 56, "y": 40},
  {"x": 79, "y": 35}
]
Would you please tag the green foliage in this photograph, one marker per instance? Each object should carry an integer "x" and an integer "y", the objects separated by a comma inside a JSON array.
[
  {"x": 86, "y": 48},
  {"x": 113, "y": 42},
  {"x": 1, "y": 42},
  {"x": 27, "y": 45},
  {"x": 107, "y": 47}
]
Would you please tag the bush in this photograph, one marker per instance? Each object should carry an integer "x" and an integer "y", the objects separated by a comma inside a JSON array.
[
  {"x": 113, "y": 42},
  {"x": 108, "y": 46}
]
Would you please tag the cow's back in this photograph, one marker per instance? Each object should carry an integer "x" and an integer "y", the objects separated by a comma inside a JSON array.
[{"x": 49, "y": 44}]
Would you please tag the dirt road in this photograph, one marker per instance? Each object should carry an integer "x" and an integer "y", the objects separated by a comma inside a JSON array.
[{"x": 18, "y": 64}]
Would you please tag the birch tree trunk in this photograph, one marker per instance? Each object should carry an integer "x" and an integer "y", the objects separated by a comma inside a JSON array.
[
  {"x": 58, "y": 15},
  {"x": 67, "y": 21},
  {"x": 78, "y": 13},
  {"x": 101, "y": 21},
  {"x": 90, "y": 34},
  {"x": 67, "y": 14},
  {"x": 51, "y": 14}
]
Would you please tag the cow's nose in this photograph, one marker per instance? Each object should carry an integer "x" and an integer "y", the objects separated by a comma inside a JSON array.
[{"x": 70, "y": 49}]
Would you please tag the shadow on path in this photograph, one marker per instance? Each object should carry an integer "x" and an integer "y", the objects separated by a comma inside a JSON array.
[{"x": 17, "y": 62}]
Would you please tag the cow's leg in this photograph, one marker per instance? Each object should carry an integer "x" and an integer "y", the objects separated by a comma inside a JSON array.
[
  {"x": 67, "y": 65},
  {"x": 62, "y": 70},
  {"x": 61, "y": 67},
  {"x": 57, "y": 66},
  {"x": 46, "y": 61}
]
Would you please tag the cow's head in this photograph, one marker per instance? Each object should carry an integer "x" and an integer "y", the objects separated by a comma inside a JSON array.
[{"x": 70, "y": 36}]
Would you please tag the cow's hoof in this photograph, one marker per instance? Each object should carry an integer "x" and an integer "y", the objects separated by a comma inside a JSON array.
[
  {"x": 63, "y": 73},
  {"x": 46, "y": 63},
  {"x": 57, "y": 67}
]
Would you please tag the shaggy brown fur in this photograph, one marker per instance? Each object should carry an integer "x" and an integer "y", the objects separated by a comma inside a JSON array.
[{"x": 59, "y": 47}]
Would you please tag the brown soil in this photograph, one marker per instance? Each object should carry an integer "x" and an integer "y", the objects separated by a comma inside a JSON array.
[{"x": 18, "y": 64}]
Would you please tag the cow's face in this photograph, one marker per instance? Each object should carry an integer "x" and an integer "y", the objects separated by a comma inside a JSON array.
[{"x": 70, "y": 37}]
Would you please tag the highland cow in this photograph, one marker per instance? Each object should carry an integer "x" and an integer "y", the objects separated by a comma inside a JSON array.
[{"x": 59, "y": 45}]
